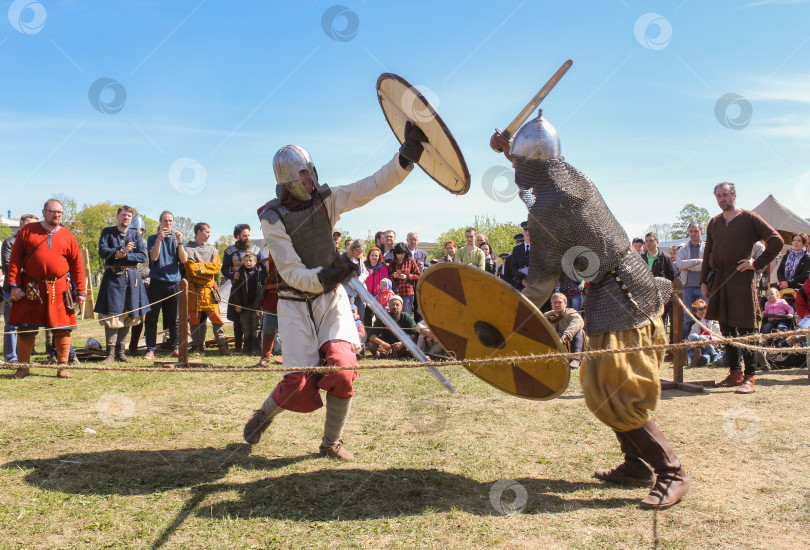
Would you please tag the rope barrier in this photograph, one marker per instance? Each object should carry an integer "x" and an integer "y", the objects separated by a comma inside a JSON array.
[
  {"x": 716, "y": 340},
  {"x": 91, "y": 321},
  {"x": 753, "y": 337},
  {"x": 452, "y": 363}
]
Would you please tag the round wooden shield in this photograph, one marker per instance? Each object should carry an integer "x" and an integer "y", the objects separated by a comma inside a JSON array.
[
  {"x": 476, "y": 315},
  {"x": 442, "y": 159}
]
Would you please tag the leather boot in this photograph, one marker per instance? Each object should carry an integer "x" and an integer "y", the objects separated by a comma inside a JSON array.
[
  {"x": 734, "y": 379},
  {"x": 198, "y": 338},
  {"x": 336, "y": 451},
  {"x": 219, "y": 334},
  {"x": 120, "y": 346},
  {"x": 671, "y": 481},
  {"x": 267, "y": 350},
  {"x": 112, "y": 340},
  {"x": 633, "y": 471},
  {"x": 21, "y": 372},
  {"x": 119, "y": 353},
  {"x": 747, "y": 385},
  {"x": 62, "y": 372},
  {"x": 255, "y": 427}
]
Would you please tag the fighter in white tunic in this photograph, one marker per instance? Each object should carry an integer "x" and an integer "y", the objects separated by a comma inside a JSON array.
[{"x": 313, "y": 310}]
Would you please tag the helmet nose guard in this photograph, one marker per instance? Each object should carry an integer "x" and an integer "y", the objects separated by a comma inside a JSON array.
[{"x": 287, "y": 163}]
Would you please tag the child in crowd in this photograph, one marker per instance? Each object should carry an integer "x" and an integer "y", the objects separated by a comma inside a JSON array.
[
  {"x": 385, "y": 292},
  {"x": 702, "y": 332},
  {"x": 776, "y": 312},
  {"x": 268, "y": 302},
  {"x": 361, "y": 331},
  {"x": 245, "y": 296}
]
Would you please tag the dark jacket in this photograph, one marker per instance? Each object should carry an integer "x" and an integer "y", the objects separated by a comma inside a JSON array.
[
  {"x": 516, "y": 261},
  {"x": 662, "y": 265},
  {"x": 6, "y": 258},
  {"x": 801, "y": 274},
  {"x": 246, "y": 291}
]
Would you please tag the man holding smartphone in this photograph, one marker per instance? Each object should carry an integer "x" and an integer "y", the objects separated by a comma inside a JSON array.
[
  {"x": 166, "y": 252},
  {"x": 122, "y": 300}
]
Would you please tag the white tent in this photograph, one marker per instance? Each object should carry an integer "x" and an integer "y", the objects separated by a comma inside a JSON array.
[{"x": 782, "y": 218}]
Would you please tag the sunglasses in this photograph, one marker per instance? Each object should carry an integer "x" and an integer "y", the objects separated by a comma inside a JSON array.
[{"x": 700, "y": 308}]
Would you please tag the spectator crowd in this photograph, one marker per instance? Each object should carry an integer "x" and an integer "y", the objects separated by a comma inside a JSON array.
[{"x": 44, "y": 280}]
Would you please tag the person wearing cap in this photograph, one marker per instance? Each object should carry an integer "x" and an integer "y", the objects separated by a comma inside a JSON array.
[
  {"x": 232, "y": 259},
  {"x": 336, "y": 235},
  {"x": 519, "y": 259},
  {"x": 501, "y": 268},
  {"x": 381, "y": 341},
  {"x": 404, "y": 274},
  {"x": 638, "y": 245}
]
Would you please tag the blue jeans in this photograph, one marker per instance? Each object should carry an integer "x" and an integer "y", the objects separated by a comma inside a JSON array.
[
  {"x": 690, "y": 294},
  {"x": 9, "y": 340},
  {"x": 708, "y": 352}
]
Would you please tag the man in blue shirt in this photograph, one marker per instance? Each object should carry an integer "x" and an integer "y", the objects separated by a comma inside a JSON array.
[{"x": 166, "y": 252}]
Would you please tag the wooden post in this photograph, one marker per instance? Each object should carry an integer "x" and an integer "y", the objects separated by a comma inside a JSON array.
[
  {"x": 182, "y": 329},
  {"x": 679, "y": 355},
  {"x": 182, "y": 333}
]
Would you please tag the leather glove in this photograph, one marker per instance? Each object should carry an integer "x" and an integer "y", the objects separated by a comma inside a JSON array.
[
  {"x": 412, "y": 147},
  {"x": 338, "y": 271}
]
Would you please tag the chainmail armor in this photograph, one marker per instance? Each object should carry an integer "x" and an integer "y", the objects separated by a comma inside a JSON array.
[
  {"x": 574, "y": 232},
  {"x": 310, "y": 229}
]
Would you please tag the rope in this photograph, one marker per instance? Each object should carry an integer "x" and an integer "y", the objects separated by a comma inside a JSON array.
[
  {"x": 716, "y": 338},
  {"x": 738, "y": 341},
  {"x": 91, "y": 321},
  {"x": 452, "y": 363}
]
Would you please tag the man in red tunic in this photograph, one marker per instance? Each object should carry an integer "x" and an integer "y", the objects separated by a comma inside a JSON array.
[{"x": 44, "y": 255}]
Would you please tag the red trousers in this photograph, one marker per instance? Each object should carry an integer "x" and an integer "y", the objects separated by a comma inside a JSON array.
[{"x": 300, "y": 392}]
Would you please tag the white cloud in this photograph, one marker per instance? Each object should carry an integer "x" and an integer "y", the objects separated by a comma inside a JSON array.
[{"x": 795, "y": 89}]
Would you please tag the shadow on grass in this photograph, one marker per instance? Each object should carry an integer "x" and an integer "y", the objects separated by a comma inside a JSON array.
[
  {"x": 347, "y": 494},
  {"x": 338, "y": 493},
  {"x": 134, "y": 472}
]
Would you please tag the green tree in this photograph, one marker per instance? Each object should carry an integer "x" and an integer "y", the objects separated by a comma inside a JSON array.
[
  {"x": 500, "y": 236},
  {"x": 688, "y": 214},
  {"x": 89, "y": 222},
  {"x": 662, "y": 230},
  {"x": 185, "y": 226},
  {"x": 5, "y": 232},
  {"x": 222, "y": 243}
]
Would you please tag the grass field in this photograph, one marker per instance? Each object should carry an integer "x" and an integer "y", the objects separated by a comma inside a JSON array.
[{"x": 156, "y": 460}]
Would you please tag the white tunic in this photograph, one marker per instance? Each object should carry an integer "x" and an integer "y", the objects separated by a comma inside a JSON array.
[{"x": 331, "y": 317}]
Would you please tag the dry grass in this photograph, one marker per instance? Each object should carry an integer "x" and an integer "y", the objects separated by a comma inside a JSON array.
[{"x": 167, "y": 468}]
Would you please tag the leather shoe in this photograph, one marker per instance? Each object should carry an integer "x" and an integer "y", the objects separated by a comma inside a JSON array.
[
  {"x": 21, "y": 372},
  {"x": 62, "y": 372},
  {"x": 337, "y": 451},
  {"x": 734, "y": 379},
  {"x": 747, "y": 385},
  {"x": 256, "y": 426}
]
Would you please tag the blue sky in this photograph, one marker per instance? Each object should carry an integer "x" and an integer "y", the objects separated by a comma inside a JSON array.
[{"x": 199, "y": 95}]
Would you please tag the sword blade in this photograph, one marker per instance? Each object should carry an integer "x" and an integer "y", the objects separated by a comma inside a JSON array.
[
  {"x": 389, "y": 322},
  {"x": 524, "y": 115}
]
